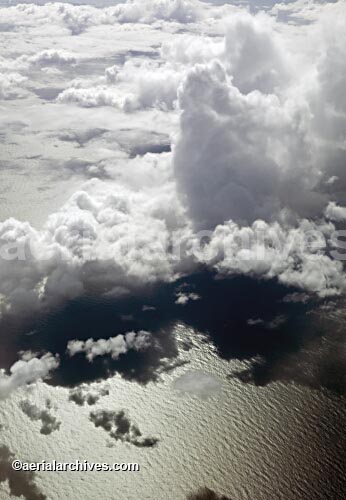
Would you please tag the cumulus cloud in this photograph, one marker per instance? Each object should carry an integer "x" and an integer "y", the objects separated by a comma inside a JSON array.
[
  {"x": 132, "y": 87},
  {"x": 83, "y": 394},
  {"x": 48, "y": 57},
  {"x": 255, "y": 53},
  {"x": 258, "y": 125},
  {"x": 11, "y": 85},
  {"x": 188, "y": 49},
  {"x": 74, "y": 19},
  {"x": 182, "y": 11},
  {"x": 114, "y": 346},
  {"x": 90, "y": 97},
  {"x": 296, "y": 256},
  {"x": 26, "y": 371},
  {"x": 241, "y": 156},
  {"x": 183, "y": 298},
  {"x": 119, "y": 427},
  {"x": 334, "y": 212},
  {"x": 256, "y": 143},
  {"x": 92, "y": 241},
  {"x": 275, "y": 322}
]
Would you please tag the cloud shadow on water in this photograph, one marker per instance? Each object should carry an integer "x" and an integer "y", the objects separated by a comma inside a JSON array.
[{"x": 274, "y": 342}]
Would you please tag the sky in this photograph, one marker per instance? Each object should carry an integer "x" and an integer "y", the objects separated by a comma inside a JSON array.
[{"x": 144, "y": 142}]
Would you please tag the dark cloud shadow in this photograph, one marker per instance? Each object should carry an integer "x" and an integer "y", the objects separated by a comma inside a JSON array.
[
  {"x": 120, "y": 428},
  {"x": 245, "y": 318},
  {"x": 206, "y": 494},
  {"x": 49, "y": 422},
  {"x": 318, "y": 361},
  {"x": 21, "y": 483},
  {"x": 143, "y": 149}
]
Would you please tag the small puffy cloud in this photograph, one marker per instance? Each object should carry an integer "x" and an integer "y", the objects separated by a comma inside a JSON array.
[
  {"x": 271, "y": 325},
  {"x": 49, "y": 57},
  {"x": 90, "y": 97},
  {"x": 297, "y": 297},
  {"x": 255, "y": 322},
  {"x": 332, "y": 179},
  {"x": 184, "y": 297},
  {"x": 114, "y": 346},
  {"x": 25, "y": 372},
  {"x": 11, "y": 85},
  {"x": 181, "y": 11},
  {"x": 85, "y": 395},
  {"x": 335, "y": 212}
]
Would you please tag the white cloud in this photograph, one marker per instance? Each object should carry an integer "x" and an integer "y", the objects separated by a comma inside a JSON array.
[
  {"x": 25, "y": 372},
  {"x": 10, "y": 85},
  {"x": 262, "y": 129},
  {"x": 114, "y": 346},
  {"x": 184, "y": 297},
  {"x": 129, "y": 88},
  {"x": 182, "y": 11},
  {"x": 255, "y": 53},
  {"x": 74, "y": 19},
  {"x": 48, "y": 57},
  {"x": 191, "y": 49},
  {"x": 90, "y": 97},
  {"x": 296, "y": 256},
  {"x": 242, "y": 157},
  {"x": 334, "y": 212}
]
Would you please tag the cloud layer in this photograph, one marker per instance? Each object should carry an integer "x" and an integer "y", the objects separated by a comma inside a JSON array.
[{"x": 245, "y": 101}]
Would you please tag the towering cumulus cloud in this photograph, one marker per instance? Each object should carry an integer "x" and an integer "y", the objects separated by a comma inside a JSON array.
[{"x": 251, "y": 144}]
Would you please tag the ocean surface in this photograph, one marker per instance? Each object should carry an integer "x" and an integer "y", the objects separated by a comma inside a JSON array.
[{"x": 268, "y": 424}]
